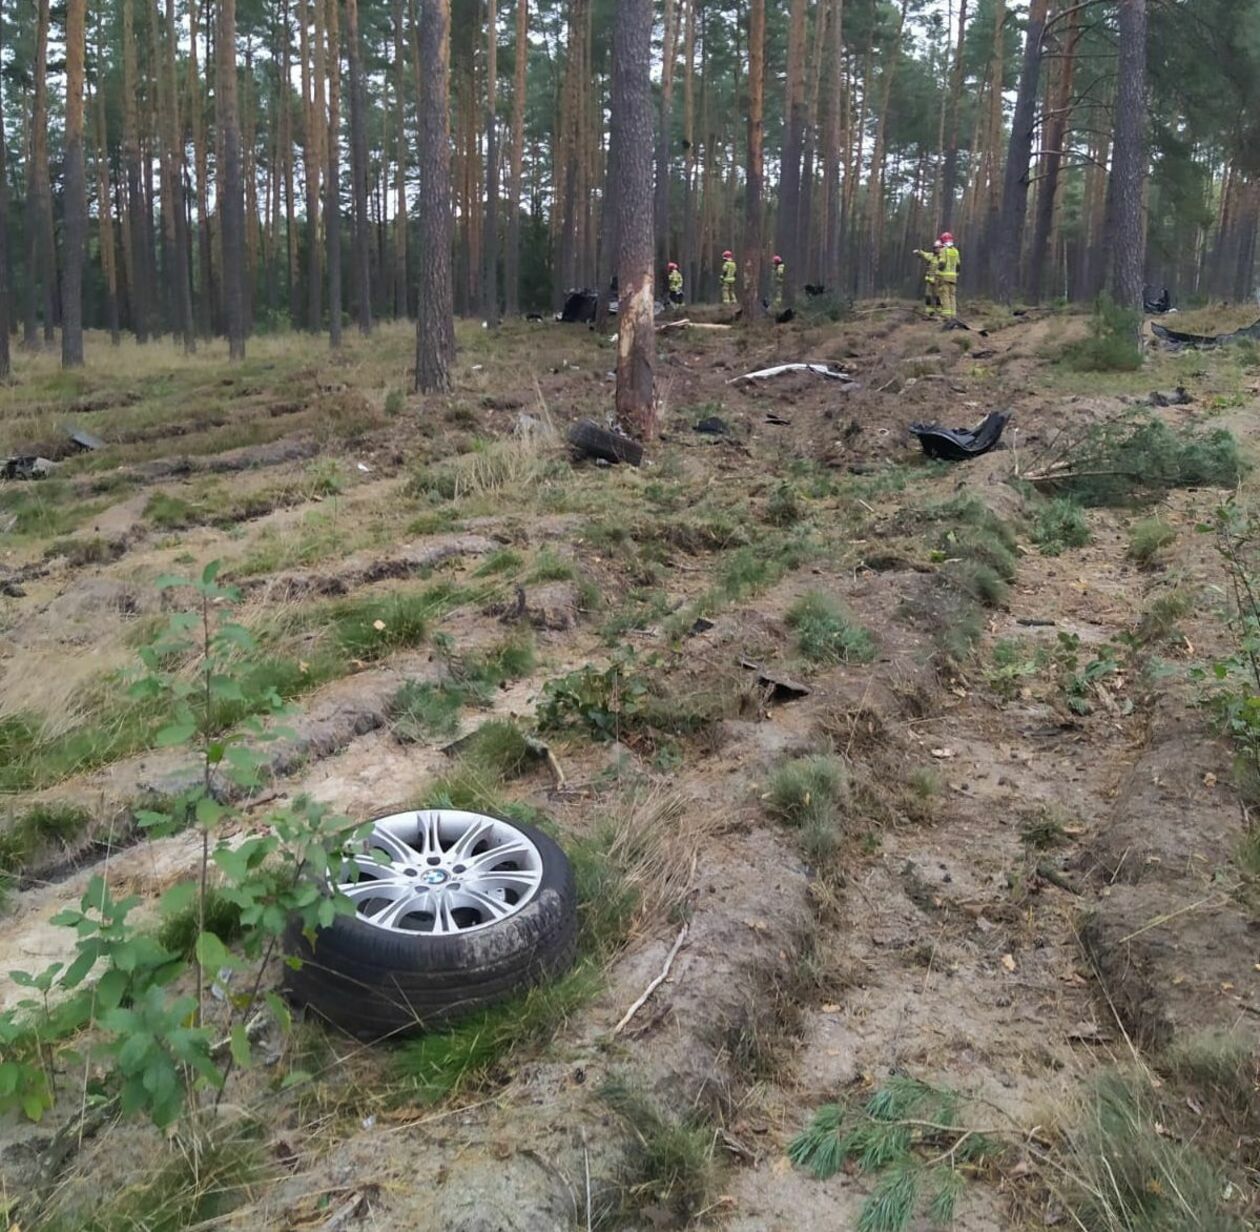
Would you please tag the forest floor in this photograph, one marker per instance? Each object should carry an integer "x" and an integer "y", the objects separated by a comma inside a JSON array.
[{"x": 1010, "y": 887}]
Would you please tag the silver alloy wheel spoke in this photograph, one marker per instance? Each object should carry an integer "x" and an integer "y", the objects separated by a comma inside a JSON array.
[{"x": 433, "y": 884}]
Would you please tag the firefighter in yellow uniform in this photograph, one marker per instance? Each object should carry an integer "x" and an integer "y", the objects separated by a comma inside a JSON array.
[
  {"x": 949, "y": 264},
  {"x": 931, "y": 263},
  {"x": 675, "y": 281},
  {"x": 729, "y": 272},
  {"x": 780, "y": 277}
]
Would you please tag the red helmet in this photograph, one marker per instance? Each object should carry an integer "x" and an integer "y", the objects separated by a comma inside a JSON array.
[
  {"x": 728, "y": 255},
  {"x": 946, "y": 238},
  {"x": 778, "y": 260},
  {"x": 672, "y": 266}
]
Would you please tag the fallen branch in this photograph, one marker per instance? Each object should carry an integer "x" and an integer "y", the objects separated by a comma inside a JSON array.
[{"x": 654, "y": 985}]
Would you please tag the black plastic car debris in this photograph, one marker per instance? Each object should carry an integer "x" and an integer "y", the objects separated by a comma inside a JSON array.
[
  {"x": 579, "y": 307},
  {"x": 1176, "y": 338},
  {"x": 960, "y": 444},
  {"x": 84, "y": 440},
  {"x": 1170, "y": 397},
  {"x": 26, "y": 466},
  {"x": 1156, "y": 300},
  {"x": 713, "y": 425},
  {"x": 589, "y": 440}
]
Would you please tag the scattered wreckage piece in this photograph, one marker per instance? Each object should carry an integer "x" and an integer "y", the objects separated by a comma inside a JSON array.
[
  {"x": 779, "y": 688},
  {"x": 713, "y": 425},
  {"x": 27, "y": 466},
  {"x": 1176, "y": 339},
  {"x": 764, "y": 374},
  {"x": 1170, "y": 397},
  {"x": 961, "y": 444},
  {"x": 589, "y": 440},
  {"x": 87, "y": 441}
]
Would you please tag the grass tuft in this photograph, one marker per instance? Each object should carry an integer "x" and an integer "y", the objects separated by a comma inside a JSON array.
[
  {"x": 1059, "y": 524},
  {"x": 1148, "y": 538},
  {"x": 811, "y": 794},
  {"x": 826, "y": 633}
]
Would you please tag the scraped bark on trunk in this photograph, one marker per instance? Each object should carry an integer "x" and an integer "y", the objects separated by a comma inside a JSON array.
[
  {"x": 632, "y": 109},
  {"x": 435, "y": 321},
  {"x": 359, "y": 170}
]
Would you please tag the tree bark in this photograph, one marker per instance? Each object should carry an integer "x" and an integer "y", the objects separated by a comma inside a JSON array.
[
  {"x": 359, "y": 169},
  {"x": 1124, "y": 244},
  {"x": 751, "y": 300},
  {"x": 109, "y": 260},
  {"x": 632, "y": 107},
  {"x": 400, "y": 166},
  {"x": 435, "y": 320},
  {"x": 38, "y": 266},
  {"x": 1018, "y": 156},
  {"x": 949, "y": 178},
  {"x": 332, "y": 187},
  {"x": 669, "y": 47},
  {"x": 512, "y": 261},
  {"x": 4, "y": 236},
  {"x": 788, "y": 240},
  {"x": 490, "y": 233},
  {"x": 231, "y": 198},
  {"x": 205, "y": 283},
  {"x": 286, "y": 159},
  {"x": 832, "y": 154},
  {"x": 1052, "y": 163},
  {"x": 75, "y": 191},
  {"x": 173, "y": 157}
]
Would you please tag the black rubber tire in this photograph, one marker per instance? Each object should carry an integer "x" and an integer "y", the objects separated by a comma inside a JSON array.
[
  {"x": 373, "y": 983},
  {"x": 589, "y": 440}
]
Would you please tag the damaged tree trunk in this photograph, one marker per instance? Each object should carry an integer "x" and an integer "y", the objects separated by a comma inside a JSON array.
[{"x": 632, "y": 116}]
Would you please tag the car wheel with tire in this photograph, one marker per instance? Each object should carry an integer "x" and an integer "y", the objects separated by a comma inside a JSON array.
[{"x": 454, "y": 911}]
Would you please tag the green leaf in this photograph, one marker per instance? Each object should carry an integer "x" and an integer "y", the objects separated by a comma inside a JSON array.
[
  {"x": 235, "y": 864},
  {"x": 210, "y": 572},
  {"x": 209, "y": 811},
  {"x": 168, "y": 581},
  {"x": 178, "y": 898},
  {"x": 110, "y": 988},
  {"x": 293, "y": 1077},
  {"x": 279, "y": 1011},
  {"x": 33, "y": 1106},
  {"x": 78, "y": 969},
  {"x": 175, "y": 733},
  {"x": 211, "y": 952},
  {"x": 240, "y": 1046}
]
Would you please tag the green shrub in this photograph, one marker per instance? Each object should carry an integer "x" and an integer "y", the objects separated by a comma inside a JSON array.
[
  {"x": 1059, "y": 524},
  {"x": 1113, "y": 342},
  {"x": 826, "y": 633},
  {"x": 1148, "y": 538},
  {"x": 784, "y": 506},
  {"x": 811, "y": 794}
]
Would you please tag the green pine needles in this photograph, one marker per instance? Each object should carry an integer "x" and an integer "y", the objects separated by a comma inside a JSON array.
[{"x": 909, "y": 1135}]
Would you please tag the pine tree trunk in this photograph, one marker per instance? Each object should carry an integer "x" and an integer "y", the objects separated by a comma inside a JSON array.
[
  {"x": 4, "y": 235},
  {"x": 39, "y": 267},
  {"x": 755, "y": 171},
  {"x": 1018, "y": 156},
  {"x": 632, "y": 111},
  {"x": 788, "y": 240},
  {"x": 689, "y": 257},
  {"x": 359, "y": 169},
  {"x": 949, "y": 178},
  {"x": 512, "y": 262},
  {"x": 75, "y": 191},
  {"x": 490, "y": 232},
  {"x": 109, "y": 261},
  {"x": 1124, "y": 245},
  {"x": 205, "y": 284},
  {"x": 669, "y": 50},
  {"x": 1052, "y": 163},
  {"x": 286, "y": 161},
  {"x": 400, "y": 166},
  {"x": 173, "y": 157},
  {"x": 570, "y": 151},
  {"x": 332, "y": 187},
  {"x": 875, "y": 207},
  {"x": 322, "y": 135},
  {"x": 809, "y": 244},
  {"x": 231, "y": 197},
  {"x": 435, "y": 319},
  {"x": 832, "y": 154}
]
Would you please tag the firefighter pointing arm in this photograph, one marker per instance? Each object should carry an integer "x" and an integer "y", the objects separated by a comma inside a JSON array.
[{"x": 931, "y": 264}]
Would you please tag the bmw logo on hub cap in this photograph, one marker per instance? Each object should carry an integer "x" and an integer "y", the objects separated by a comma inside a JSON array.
[{"x": 434, "y": 877}]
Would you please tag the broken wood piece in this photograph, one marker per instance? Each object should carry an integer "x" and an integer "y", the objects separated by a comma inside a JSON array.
[
  {"x": 1051, "y": 874},
  {"x": 762, "y": 374},
  {"x": 654, "y": 985},
  {"x": 781, "y": 688}
]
